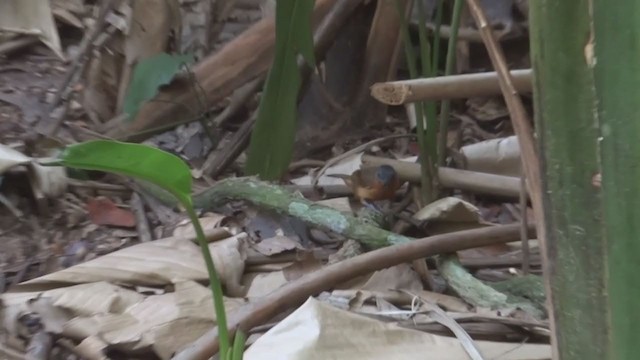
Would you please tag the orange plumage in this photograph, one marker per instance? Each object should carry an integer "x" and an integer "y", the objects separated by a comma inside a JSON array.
[{"x": 373, "y": 183}]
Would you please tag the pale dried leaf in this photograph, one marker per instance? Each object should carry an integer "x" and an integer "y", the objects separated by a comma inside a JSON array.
[
  {"x": 52, "y": 317},
  {"x": 49, "y": 181},
  {"x": 450, "y": 214},
  {"x": 210, "y": 221},
  {"x": 10, "y": 157},
  {"x": 261, "y": 284},
  {"x": 319, "y": 331},
  {"x": 149, "y": 35},
  {"x": 31, "y": 17},
  {"x": 158, "y": 263},
  {"x": 276, "y": 245},
  {"x": 345, "y": 167},
  {"x": 394, "y": 278},
  {"x": 91, "y": 348},
  {"x": 163, "y": 323}
]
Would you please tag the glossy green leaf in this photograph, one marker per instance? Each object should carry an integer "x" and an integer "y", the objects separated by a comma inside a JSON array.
[
  {"x": 136, "y": 160},
  {"x": 273, "y": 135},
  {"x": 161, "y": 169},
  {"x": 148, "y": 75}
]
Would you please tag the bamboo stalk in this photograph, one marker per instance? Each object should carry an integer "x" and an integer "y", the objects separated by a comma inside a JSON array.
[{"x": 448, "y": 87}]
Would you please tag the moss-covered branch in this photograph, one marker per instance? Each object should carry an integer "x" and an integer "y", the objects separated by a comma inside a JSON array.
[{"x": 275, "y": 198}]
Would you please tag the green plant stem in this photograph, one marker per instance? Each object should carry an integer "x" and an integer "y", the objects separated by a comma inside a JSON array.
[
  {"x": 448, "y": 69},
  {"x": 216, "y": 285},
  {"x": 436, "y": 39},
  {"x": 429, "y": 108},
  {"x": 425, "y": 179},
  {"x": 238, "y": 345}
]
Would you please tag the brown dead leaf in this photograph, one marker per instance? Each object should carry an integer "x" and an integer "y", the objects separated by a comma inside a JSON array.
[
  {"x": 394, "y": 278},
  {"x": 102, "y": 211},
  {"x": 276, "y": 245},
  {"x": 307, "y": 264}
]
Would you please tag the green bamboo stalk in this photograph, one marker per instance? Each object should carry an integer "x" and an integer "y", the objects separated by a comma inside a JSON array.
[
  {"x": 419, "y": 110},
  {"x": 585, "y": 105},
  {"x": 616, "y": 65},
  {"x": 436, "y": 38},
  {"x": 448, "y": 70},
  {"x": 428, "y": 109}
]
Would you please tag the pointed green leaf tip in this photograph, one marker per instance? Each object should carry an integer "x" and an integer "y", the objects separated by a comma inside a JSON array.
[
  {"x": 136, "y": 160},
  {"x": 148, "y": 75}
]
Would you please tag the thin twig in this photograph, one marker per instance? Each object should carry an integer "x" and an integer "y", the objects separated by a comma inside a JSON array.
[
  {"x": 441, "y": 317},
  {"x": 523, "y": 230},
  {"x": 142, "y": 224}
]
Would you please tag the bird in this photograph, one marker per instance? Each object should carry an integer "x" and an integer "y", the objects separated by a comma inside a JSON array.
[{"x": 372, "y": 183}]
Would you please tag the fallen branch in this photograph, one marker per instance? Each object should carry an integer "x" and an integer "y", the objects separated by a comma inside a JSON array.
[
  {"x": 477, "y": 293},
  {"x": 447, "y": 87},
  {"x": 277, "y": 199},
  {"x": 296, "y": 292}
]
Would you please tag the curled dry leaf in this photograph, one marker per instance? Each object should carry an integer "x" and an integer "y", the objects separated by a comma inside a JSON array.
[
  {"x": 450, "y": 214},
  {"x": 45, "y": 181}
]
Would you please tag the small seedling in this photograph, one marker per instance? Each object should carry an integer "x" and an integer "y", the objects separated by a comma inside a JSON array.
[{"x": 169, "y": 172}]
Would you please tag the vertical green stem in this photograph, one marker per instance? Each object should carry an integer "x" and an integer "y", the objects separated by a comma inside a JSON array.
[
  {"x": 429, "y": 109},
  {"x": 419, "y": 109},
  {"x": 216, "y": 285},
  {"x": 449, "y": 65},
  {"x": 436, "y": 38}
]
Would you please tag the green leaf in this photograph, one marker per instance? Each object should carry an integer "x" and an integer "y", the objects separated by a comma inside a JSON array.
[
  {"x": 278, "y": 106},
  {"x": 140, "y": 161},
  {"x": 148, "y": 75},
  {"x": 166, "y": 171}
]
